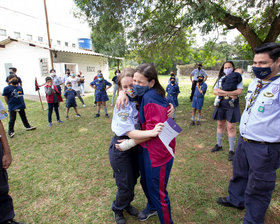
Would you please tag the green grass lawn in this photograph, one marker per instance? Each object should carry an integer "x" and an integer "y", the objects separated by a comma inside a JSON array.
[{"x": 62, "y": 174}]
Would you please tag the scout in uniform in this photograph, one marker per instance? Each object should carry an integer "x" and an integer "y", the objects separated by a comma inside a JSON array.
[
  {"x": 198, "y": 98},
  {"x": 172, "y": 93},
  {"x": 124, "y": 162},
  {"x": 101, "y": 86},
  {"x": 194, "y": 78},
  {"x": 6, "y": 202},
  {"x": 257, "y": 154},
  {"x": 13, "y": 95},
  {"x": 70, "y": 95}
]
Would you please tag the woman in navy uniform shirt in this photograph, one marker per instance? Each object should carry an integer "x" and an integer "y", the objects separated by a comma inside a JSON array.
[{"x": 224, "y": 113}]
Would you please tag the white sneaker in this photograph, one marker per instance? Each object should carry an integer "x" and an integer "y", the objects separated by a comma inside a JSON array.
[{"x": 84, "y": 105}]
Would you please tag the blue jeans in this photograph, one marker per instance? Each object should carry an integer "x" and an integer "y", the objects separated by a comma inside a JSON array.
[{"x": 52, "y": 106}]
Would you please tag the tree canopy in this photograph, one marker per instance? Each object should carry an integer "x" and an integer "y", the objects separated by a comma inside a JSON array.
[
  {"x": 163, "y": 30},
  {"x": 150, "y": 22}
]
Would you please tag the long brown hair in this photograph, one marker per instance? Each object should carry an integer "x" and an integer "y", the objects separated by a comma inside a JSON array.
[
  {"x": 127, "y": 72},
  {"x": 150, "y": 72}
]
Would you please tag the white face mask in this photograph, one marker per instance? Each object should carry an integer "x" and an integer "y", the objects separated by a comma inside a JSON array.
[{"x": 228, "y": 70}]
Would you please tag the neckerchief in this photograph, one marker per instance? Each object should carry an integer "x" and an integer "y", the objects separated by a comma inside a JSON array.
[{"x": 261, "y": 84}]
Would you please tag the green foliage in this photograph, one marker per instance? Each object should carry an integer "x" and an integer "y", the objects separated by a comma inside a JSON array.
[{"x": 161, "y": 31}]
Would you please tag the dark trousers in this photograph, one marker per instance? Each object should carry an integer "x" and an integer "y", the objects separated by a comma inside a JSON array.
[
  {"x": 52, "y": 106},
  {"x": 126, "y": 172},
  {"x": 193, "y": 89},
  {"x": 58, "y": 88},
  {"x": 6, "y": 202},
  {"x": 13, "y": 116},
  {"x": 154, "y": 183},
  {"x": 254, "y": 176}
]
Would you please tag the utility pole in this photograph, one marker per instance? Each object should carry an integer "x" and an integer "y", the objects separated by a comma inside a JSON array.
[{"x": 48, "y": 32}]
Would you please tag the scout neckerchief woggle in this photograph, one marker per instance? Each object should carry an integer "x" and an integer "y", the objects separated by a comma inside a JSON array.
[
  {"x": 260, "y": 85},
  {"x": 253, "y": 97}
]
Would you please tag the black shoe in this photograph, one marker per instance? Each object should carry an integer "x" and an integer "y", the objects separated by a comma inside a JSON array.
[
  {"x": 11, "y": 221},
  {"x": 192, "y": 123},
  {"x": 217, "y": 148},
  {"x": 30, "y": 128},
  {"x": 132, "y": 210},
  {"x": 230, "y": 155},
  {"x": 11, "y": 134},
  {"x": 97, "y": 115},
  {"x": 198, "y": 123},
  {"x": 224, "y": 202},
  {"x": 107, "y": 115},
  {"x": 145, "y": 214},
  {"x": 119, "y": 218}
]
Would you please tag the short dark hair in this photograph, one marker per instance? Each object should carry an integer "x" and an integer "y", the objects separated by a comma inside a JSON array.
[
  {"x": 273, "y": 50},
  {"x": 13, "y": 69},
  {"x": 199, "y": 64},
  {"x": 48, "y": 78},
  {"x": 68, "y": 83},
  {"x": 52, "y": 70},
  {"x": 11, "y": 76},
  {"x": 150, "y": 72}
]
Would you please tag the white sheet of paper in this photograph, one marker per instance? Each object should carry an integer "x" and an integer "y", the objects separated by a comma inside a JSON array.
[{"x": 170, "y": 130}]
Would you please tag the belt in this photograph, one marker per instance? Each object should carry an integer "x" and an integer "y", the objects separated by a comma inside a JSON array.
[
  {"x": 226, "y": 97},
  {"x": 257, "y": 142}
]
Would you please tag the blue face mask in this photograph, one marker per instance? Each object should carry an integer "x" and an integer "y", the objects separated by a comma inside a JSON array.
[
  {"x": 140, "y": 90},
  {"x": 72, "y": 74},
  {"x": 262, "y": 73},
  {"x": 100, "y": 79},
  {"x": 69, "y": 87}
]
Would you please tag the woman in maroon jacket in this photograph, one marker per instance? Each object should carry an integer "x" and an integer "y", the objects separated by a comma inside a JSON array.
[{"x": 53, "y": 98}]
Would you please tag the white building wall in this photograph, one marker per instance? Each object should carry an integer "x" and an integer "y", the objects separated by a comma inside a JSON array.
[
  {"x": 28, "y": 17},
  {"x": 83, "y": 62},
  {"x": 26, "y": 59}
]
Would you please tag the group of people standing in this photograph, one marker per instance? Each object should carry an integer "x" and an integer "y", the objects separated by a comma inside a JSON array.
[
  {"x": 137, "y": 150},
  {"x": 257, "y": 155}
]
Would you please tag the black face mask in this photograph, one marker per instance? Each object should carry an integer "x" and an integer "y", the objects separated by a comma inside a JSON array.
[
  {"x": 14, "y": 82},
  {"x": 200, "y": 80},
  {"x": 172, "y": 82},
  {"x": 11, "y": 73}
]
